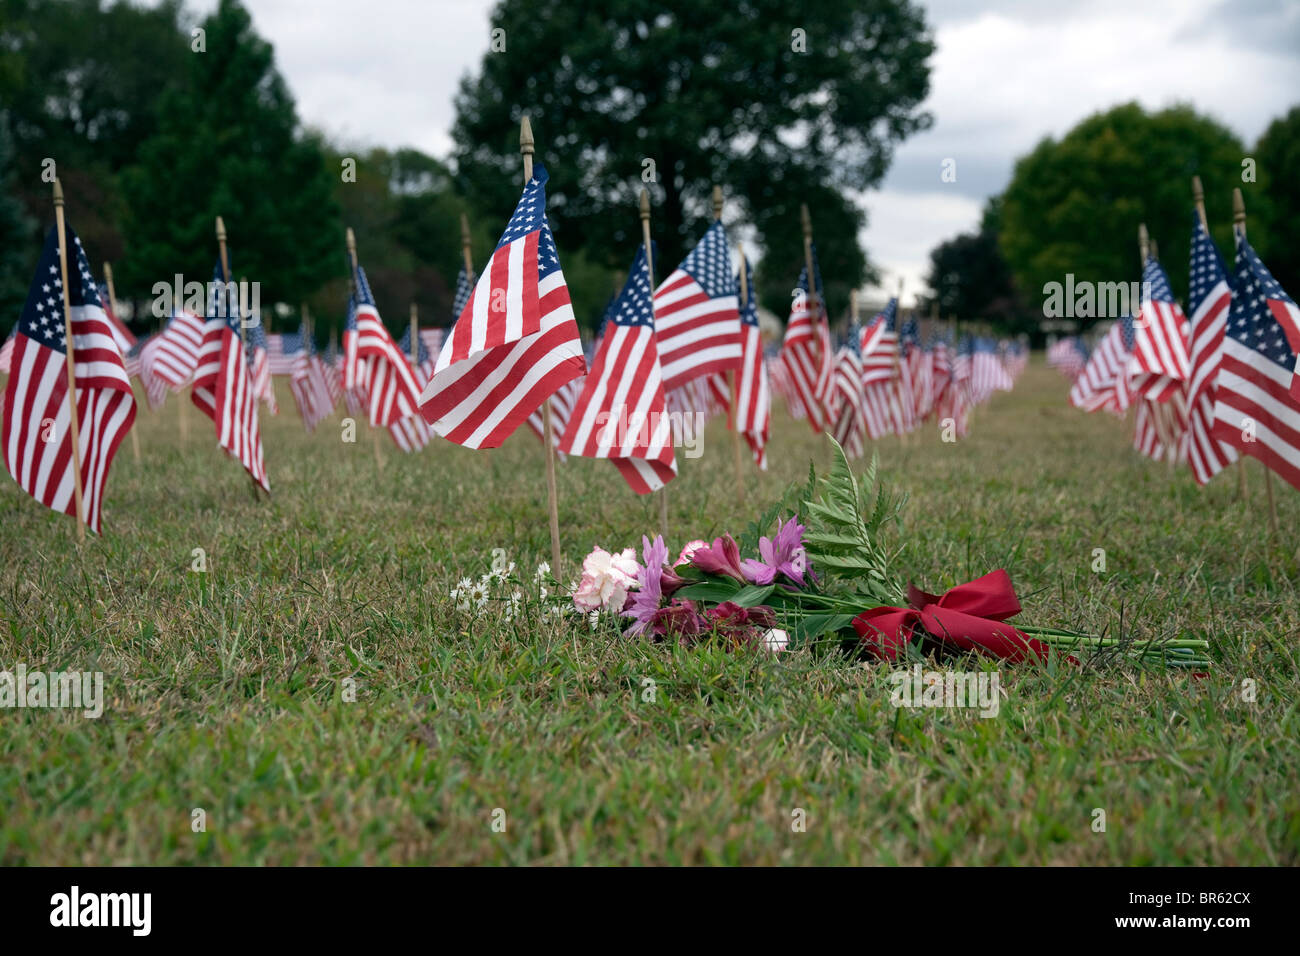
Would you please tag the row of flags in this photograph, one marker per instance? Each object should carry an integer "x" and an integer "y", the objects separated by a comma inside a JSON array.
[
  {"x": 1208, "y": 388},
  {"x": 881, "y": 380},
  {"x": 690, "y": 344}
]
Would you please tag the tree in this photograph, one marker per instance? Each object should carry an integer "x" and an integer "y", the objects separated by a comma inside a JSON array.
[
  {"x": 78, "y": 79},
  {"x": 777, "y": 106},
  {"x": 228, "y": 143},
  {"x": 1277, "y": 236},
  {"x": 1074, "y": 205},
  {"x": 17, "y": 238},
  {"x": 972, "y": 280}
]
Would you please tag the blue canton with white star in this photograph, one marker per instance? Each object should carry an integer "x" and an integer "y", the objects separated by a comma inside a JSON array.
[
  {"x": 1154, "y": 274},
  {"x": 464, "y": 288},
  {"x": 42, "y": 318},
  {"x": 1250, "y": 322},
  {"x": 1207, "y": 268},
  {"x": 530, "y": 216},
  {"x": 890, "y": 313},
  {"x": 709, "y": 264},
  {"x": 1127, "y": 333},
  {"x": 635, "y": 304},
  {"x": 749, "y": 311}
]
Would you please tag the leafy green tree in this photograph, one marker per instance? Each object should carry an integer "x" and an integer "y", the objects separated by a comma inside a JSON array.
[
  {"x": 228, "y": 143},
  {"x": 78, "y": 79},
  {"x": 17, "y": 237},
  {"x": 972, "y": 280},
  {"x": 1277, "y": 235},
  {"x": 771, "y": 101},
  {"x": 1074, "y": 205}
]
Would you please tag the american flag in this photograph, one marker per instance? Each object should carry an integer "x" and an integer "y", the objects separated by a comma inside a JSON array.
[
  {"x": 177, "y": 354},
  {"x": 1103, "y": 383},
  {"x": 880, "y": 346},
  {"x": 803, "y": 352},
  {"x": 1014, "y": 359},
  {"x": 1253, "y": 393},
  {"x": 620, "y": 414},
  {"x": 1159, "y": 365},
  {"x": 515, "y": 342},
  {"x": 373, "y": 360},
  {"x": 1068, "y": 355},
  {"x": 752, "y": 412},
  {"x": 905, "y": 386},
  {"x": 851, "y": 419},
  {"x": 697, "y": 313},
  {"x": 260, "y": 365},
  {"x": 987, "y": 373},
  {"x": 309, "y": 378},
  {"x": 223, "y": 384},
  {"x": 1209, "y": 298},
  {"x": 140, "y": 362},
  {"x": 36, "y": 433},
  {"x": 278, "y": 359}
]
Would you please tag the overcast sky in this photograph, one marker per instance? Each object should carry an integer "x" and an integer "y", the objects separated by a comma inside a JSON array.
[{"x": 1005, "y": 74}]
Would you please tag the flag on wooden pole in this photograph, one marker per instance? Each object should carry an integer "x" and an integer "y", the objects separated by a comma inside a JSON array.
[{"x": 51, "y": 455}]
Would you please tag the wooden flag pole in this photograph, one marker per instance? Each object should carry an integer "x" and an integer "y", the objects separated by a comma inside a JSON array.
[
  {"x": 465, "y": 242},
  {"x": 351, "y": 239},
  {"x": 112, "y": 304},
  {"x": 735, "y": 435},
  {"x": 1239, "y": 226},
  {"x": 1198, "y": 197},
  {"x": 1157, "y": 420},
  {"x": 731, "y": 374},
  {"x": 548, "y": 431},
  {"x": 415, "y": 335},
  {"x": 650, "y": 268},
  {"x": 74, "y": 430}
]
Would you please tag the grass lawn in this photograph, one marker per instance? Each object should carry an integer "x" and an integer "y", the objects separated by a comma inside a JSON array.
[{"x": 224, "y": 689}]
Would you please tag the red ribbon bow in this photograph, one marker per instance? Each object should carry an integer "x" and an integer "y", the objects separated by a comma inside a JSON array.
[{"x": 968, "y": 616}]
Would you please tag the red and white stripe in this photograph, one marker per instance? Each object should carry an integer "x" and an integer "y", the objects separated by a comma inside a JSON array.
[{"x": 37, "y": 434}]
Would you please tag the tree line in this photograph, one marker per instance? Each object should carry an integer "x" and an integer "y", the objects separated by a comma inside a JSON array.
[
  {"x": 1073, "y": 207},
  {"x": 157, "y": 124}
]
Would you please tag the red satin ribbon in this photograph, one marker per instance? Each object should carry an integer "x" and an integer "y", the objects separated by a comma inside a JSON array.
[{"x": 969, "y": 616}]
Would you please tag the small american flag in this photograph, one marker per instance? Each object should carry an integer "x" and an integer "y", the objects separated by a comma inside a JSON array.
[
  {"x": 803, "y": 353},
  {"x": 36, "y": 432},
  {"x": 620, "y": 414},
  {"x": 1210, "y": 299},
  {"x": 1068, "y": 355},
  {"x": 516, "y": 340},
  {"x": 1253, "y": 392},
  {"x": 1104, "y": 381},
  {"x": 260, "y": 364},
  {"x": 851, "y": 420},
  {"x": 987, "y": 373},
  {"x": 309, "y": 378},
  {"x": 697, "y": 313},
  {"x": 880, "y": 346},
  {"x": 373, "y": 360},
  {"x": 753, "y": 401},
  {"x": 140, "y": 362},
  {"x": 1159, "y": 365},
  {"x": 177, "y": 355},
  {"x": 223, "y": 384}
]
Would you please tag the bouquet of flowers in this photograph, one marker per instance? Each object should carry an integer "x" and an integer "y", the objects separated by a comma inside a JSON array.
[{"x": 823, "y": 577}]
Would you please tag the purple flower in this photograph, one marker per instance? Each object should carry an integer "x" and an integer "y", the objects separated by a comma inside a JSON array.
[
  {"x": 644, "y": 602},
  {"x": 722, "y": 557},
  {"x": 781, "y": 554}
]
